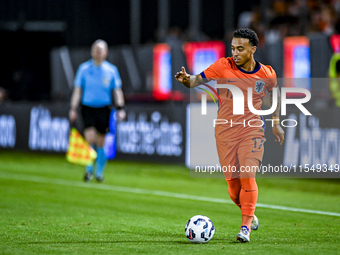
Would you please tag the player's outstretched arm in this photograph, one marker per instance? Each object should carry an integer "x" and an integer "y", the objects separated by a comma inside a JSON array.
[
  {"x": 277, "y": 129},
  {"x": 189, "y": 81}
]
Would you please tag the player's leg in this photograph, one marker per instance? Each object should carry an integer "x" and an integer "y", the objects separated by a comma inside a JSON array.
[
  {"x": 102, "y": 125},
  {"x": 228, "y": 159},
  {"x": 248, "y": 193},
  {"x": 248, "y": 199},
  {"x": 234, "y": 188},
  {"x": 250, "y": 159}
]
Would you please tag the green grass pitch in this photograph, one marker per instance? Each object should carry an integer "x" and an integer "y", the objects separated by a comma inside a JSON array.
[{"x": 46, "y": 208}]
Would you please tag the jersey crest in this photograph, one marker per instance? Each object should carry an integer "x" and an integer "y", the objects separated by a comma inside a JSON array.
[{"x": 259, "y": 85}]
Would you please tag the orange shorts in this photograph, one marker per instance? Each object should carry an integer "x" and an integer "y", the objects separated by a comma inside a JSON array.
[{"x": 233, "y": 155}]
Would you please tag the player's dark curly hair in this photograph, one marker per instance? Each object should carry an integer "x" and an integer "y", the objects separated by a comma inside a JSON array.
[{"x": 248, "y": 34}]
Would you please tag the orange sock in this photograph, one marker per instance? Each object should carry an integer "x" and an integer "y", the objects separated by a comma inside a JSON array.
[
  {"x": 234, "y": 188},
  {"x": 248, "y": 194}
]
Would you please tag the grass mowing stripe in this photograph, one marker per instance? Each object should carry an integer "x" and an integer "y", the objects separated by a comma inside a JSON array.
[{"x": 63, "y": 182}]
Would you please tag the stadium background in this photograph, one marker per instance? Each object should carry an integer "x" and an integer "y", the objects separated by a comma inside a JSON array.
[
  {"x": 148, "y": 194},
  {"x": 45, "y": 41}
]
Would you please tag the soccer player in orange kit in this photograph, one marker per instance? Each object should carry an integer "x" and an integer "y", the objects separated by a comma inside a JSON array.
[{"x": 241, "y": 145}]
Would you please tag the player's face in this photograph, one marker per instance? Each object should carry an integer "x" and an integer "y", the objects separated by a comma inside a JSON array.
[
  {"x": 99, "y": 52},
  {"x": 242, "y": 50}
]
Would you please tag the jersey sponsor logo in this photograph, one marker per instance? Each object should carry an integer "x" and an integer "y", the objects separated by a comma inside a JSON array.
[
  {"x": 259, "y": 85},
  {"x": 231, "y": 81},
  {"x": 254, "y": 151}
]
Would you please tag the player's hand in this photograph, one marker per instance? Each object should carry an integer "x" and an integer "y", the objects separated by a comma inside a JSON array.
[
  {"x": 183, "y": 77},
  {"x": 278, "y": 133},
  {"x": 72, "y": 115},
  {"x": 121, "y": 115}
]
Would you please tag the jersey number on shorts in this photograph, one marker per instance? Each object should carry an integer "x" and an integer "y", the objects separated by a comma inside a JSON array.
[{"x": 259, "y": 142}]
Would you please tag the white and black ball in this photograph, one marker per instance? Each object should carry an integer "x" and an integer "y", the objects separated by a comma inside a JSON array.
[{"x": 199, "y": 229}]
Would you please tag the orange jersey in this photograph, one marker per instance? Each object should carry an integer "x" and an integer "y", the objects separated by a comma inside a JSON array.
[{"x": 225, "y": 71}]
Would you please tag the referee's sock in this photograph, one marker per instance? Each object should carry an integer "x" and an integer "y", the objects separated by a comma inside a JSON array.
[
  {"x": 101, "y": 162},
  {"x": 89, "y": 169}
]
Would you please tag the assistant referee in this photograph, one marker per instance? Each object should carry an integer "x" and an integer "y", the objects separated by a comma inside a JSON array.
[{"x": 97, "y": 83}]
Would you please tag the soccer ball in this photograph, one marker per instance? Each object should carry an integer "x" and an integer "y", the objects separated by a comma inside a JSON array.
[{"x": 199, "y": 229}]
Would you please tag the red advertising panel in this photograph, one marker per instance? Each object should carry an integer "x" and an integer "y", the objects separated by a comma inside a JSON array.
[
  {"x": 162, "y": 78},
  {"x": 335, "y": 42},
  {"x": 296, "y": 63},
  {"x": 200, "y": 55}
]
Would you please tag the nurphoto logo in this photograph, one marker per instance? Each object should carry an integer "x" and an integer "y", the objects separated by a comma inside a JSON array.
[{"x": 238, "y": 103}]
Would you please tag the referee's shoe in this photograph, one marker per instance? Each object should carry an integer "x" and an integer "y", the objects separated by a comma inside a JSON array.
[
  {"x": 99, "y": 178},
  {"x": 88, "y": 176}
]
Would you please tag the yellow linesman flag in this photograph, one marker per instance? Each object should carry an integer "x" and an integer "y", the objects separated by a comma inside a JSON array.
[{"x": 79, "y": 151}]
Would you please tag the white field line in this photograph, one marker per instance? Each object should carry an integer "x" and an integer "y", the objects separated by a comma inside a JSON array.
[{"x": 44, "y": 180}]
